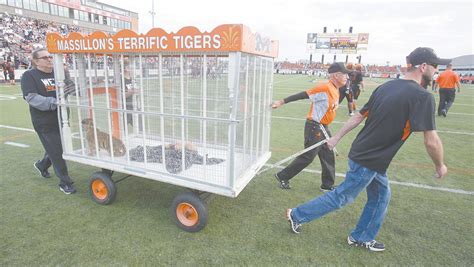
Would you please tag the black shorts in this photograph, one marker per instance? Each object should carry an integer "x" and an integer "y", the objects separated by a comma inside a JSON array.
[{"x": 11, "y": 76}]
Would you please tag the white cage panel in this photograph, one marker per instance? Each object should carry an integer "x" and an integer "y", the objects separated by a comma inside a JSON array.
[
  {"x": 199, "y": 120},
  {"x": 255, "y": 94}
]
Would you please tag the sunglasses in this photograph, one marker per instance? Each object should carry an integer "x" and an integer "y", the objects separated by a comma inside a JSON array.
[
  {"x": 434, "y": 65},
  {"x": 45, "y": 57}
]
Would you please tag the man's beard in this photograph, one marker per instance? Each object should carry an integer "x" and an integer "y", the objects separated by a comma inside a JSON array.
[{"x": 425, "y": 80}]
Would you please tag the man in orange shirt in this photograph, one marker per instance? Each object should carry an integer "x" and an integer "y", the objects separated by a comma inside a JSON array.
[
  {"x": 446, "y": 82},
  {"x": 324, "y": 102}
]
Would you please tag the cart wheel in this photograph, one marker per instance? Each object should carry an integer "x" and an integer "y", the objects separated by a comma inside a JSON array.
[
  {"x": 189, "y": 212},
  {"x": 102, "y": 188}
]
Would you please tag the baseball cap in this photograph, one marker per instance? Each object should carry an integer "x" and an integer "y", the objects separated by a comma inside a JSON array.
[
  {"x": 338, "y": 67},
  {"x": 425, "y": 55}
]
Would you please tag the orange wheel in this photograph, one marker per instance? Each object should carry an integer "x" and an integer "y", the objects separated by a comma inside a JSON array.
[
  {"x": 102, "y": 188},
  {"x": 99, "y": 189},
  {"x": 187, "y": 214},
  {"x": 189, "y": 211}
]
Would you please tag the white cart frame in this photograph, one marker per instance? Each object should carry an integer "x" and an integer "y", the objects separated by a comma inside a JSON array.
[{"x": 218, "y": 100}]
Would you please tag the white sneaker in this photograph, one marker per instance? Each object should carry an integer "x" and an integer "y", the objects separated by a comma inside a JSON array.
[
  {"x": 295, "y": 227},
  {"x": 370, "y": 245}
]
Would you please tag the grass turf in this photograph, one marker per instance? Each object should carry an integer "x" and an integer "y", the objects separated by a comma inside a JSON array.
[{"x": 42, "y": 226}]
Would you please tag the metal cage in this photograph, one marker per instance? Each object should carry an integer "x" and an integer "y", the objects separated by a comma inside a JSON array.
[{"x": 197, "y": 119}]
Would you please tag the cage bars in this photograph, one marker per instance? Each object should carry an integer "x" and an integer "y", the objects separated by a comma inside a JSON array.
[
  {"x": 224, "y": 110},
  {"x": 142, "y": 107},
  {"x": 107, "y": 104}
]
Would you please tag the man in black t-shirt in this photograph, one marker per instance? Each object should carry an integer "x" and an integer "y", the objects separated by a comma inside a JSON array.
[
  {"x": 395, "y": 110},
  {"x": 357, "y": 83},
  {"x": 39, "y": 90},
  {"x": 345, "y": 91}
]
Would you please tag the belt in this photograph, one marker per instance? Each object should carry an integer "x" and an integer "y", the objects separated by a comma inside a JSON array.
[{"x": 315, "y": 122}]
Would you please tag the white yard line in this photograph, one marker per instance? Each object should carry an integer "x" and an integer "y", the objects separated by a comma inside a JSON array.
[
  {"x": 17, "y": 128},
  {"x": 462, "y": 104},
  {"x": 276, "y": 117},
  {"x": 465, "y": 114},
  {"x": 286, "y": 80},
  {"x": 12, "y": 95},
  {"x": 428, "y": 187},
  {"x": 451, "y": 113},
  {"x": 16, "y": 144},
  {"x": 298, "y": 119},
  {"x": 451, "y": 132},
  {"x": 7, "y": 97},
  {"x": 458, "y": 191},
  {"x": 360, "y": 102},
  {"x": 341, "y": 122}
]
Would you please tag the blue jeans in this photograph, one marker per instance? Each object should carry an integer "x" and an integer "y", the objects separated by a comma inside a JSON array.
[{"x": 357, "y": 178}]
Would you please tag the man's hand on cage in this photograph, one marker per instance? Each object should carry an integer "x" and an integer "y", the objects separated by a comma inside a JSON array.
[{"x": 278, "y": 103}]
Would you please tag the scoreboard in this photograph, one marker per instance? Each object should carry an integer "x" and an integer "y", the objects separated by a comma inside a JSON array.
[{"x": 337, "y": 43}]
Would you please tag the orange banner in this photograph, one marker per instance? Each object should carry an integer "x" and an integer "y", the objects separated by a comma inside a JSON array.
[{"x": 224, "y": 38}]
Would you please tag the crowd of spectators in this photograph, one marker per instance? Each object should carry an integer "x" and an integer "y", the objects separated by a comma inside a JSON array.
[
  {"x": 286, "y": 67},
  {"x": 467, "y": 78},
  {"x": 21, "y": 35},
  {"x": 385, "y": 71}
]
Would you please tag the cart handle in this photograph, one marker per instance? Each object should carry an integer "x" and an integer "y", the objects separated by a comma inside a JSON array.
[{"x": 293, "y": 156}]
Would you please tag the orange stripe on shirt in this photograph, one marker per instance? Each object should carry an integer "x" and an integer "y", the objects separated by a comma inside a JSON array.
[{"x": 406, "y": 131}]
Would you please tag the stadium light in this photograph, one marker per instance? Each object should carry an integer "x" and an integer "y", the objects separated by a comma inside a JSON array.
[{"x": 152, "y": 13}]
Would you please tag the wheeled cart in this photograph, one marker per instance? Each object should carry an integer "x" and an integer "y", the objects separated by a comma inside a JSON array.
[{"x": 189, "y": 108}]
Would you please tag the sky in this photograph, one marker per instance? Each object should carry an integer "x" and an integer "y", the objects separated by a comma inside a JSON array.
[{"x": 395, "y": 27}]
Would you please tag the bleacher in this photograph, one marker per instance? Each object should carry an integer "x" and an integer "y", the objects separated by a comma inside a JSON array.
[
  {"x": 21, "y": 35},
  {"x": 384, "y": 71},
  {"x": 286, "y": 67}
]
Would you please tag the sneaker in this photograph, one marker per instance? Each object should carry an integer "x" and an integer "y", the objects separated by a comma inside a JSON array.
[
  {"x": 326, "y": 189},
  {"x": 351, "y": 114},
  {"x": 370, "y": 245},
  {"x": 284, "y": 184},
  {"x": 295, "y": 227},
  {"x": 443, "y": 112},
  {"x": 43, "y": 173},
  {"x": 67, "y": 189}
]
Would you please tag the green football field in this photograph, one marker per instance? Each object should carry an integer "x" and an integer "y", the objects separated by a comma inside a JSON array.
[{"x": 429, "y": 222}]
